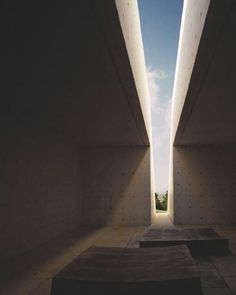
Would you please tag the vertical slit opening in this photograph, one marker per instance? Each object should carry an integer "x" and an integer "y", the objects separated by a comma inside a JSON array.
[{"x": 160, "y": 26}]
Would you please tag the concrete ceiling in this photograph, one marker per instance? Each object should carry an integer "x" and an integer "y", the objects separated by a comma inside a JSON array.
[
  {"x": 66, "y": 70},
  {"x": 209, "y": 112}
]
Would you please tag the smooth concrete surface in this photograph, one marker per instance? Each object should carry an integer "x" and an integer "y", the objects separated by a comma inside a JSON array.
[
  {"x": 208, "y": 114},
  {"x": 192, "y": 23},
  {"x": 204, "y": 185},
  {"x": 163, "y": 220},
  {"x": 200, "y": 241},
  {"x": 171, "y": 196},
  {"x": 128, "y": 12},
  {"x": 202, "y": 165},
  {"x": 68, "y": 84},
  {"x": 116, "y": 186},
  {"x": 130, "y": 24},
  {"x": 67, "y": 68},
  {"x": 115, "y": 270},
  {"x": 32, "y": 273},
  {"x": 40, "y": 192}
]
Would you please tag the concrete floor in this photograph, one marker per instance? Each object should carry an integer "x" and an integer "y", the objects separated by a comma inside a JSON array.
[{"x": 31, "y": 273}]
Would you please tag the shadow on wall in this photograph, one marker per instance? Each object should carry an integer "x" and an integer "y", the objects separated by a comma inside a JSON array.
[
  {"x": 116, "y": 186},
  {"x": 39, "y": 192},
  {"x": 204, "y": 187}
]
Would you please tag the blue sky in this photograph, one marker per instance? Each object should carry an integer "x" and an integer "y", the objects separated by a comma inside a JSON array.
[{"x": 160, "y": 25}]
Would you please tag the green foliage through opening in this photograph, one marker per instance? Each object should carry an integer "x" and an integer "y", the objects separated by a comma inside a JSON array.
[{"x": 161, "y": 202}]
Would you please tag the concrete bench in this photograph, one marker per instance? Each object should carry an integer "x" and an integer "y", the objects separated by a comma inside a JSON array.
[
  {"x": 127, "y": 271},
  {"x": 200, "y": 241}
]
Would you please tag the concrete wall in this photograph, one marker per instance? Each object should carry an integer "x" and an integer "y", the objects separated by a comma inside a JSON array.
[
  {"x": 192, "y": 23},
  {"x": 205, "y": 185},
  {"x": 202, "y": 185},
  {"x": 212, "y": 80},
  {"x": 130, "y": 24},
  {"x": 171, "y": 200},
  {"x": 87, "y": 87},
  {"x": 116, "y": 186},
  {"x": 40, "y": 195}
]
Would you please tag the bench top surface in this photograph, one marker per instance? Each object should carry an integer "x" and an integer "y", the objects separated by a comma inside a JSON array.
[
  {"x": 185, "y": 234},
  {"x": 131, "y": 265}
]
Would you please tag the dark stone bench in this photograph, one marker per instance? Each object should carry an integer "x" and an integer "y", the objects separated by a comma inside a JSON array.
[
  {"x": 126, "y": 271},
  {"x": 200, "y": 241}
]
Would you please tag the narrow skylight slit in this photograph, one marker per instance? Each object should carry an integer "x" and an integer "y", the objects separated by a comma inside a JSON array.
[{"x": 160, "y": 24}]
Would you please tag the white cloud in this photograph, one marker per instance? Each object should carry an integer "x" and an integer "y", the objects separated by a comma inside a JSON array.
[
  {"x": 160, "y": 115},
  {"x": 160, "y": 105},
  {"x": 161, "y": 75},
  {"x": 153, "y": 86}
]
